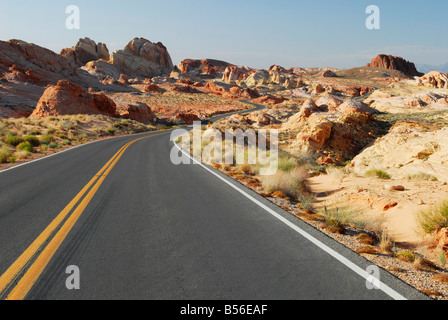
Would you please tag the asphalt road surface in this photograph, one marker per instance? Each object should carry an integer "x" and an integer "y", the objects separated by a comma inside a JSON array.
[{"x": 139, "y": 227}]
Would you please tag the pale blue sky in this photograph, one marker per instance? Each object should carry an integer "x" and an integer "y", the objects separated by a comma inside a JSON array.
[{"x": 257, "y": 33}]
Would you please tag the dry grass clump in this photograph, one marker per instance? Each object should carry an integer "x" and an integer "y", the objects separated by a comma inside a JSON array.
[
  {"x": 433, "y": 218},
  {"x": 381, "y": 174},
  {"x": 367, "y": 239},
  {"x": 291, "y": 183},
  {"x": 337, "y": 219},
  {"x": 367, "y": 250},
  {"x": 422, "y": 264}
]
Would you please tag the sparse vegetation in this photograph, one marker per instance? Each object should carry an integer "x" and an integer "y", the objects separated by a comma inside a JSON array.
[
  {"x": 21, "y": 137},
  {"x": 292, "y": 183},
  {"x": 378, "y": 173},
  {"x": 433, "y": 218}
]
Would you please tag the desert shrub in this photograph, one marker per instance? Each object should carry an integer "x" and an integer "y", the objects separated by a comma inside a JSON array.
[
  {"x": 422, "y": 176},
  {"x": 292, "y": 183},
  {"x": 13, "y": 139},
  {"x": 33, "y": 140},
  {"x": 22, "y": 154},
  {"x": 338, "y": 217},
  {"x": 433, "y": 218},
  {"x": 406, "y": 256},
  {"x": 47, "y": 138},
  {"x": 5, "y": 153},
  {"x": 286, "y": 163},
  {"x": 25, "y": 146},
  {"x": 248, "y": 169},
  {"x": 111, "y": 131},
  {"x": 306, "y": 200},
  {"x": 378, "y": 173}
]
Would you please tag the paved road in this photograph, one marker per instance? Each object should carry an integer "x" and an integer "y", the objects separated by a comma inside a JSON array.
[{"x": 153, "y": 230}]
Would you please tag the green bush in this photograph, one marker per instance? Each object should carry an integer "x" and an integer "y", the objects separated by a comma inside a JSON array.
[
  {"x": 13, "y": 139},
  {"x": 25, "y": 146},
  {"x": 48, "y": 138},
  {"x": 33, "y": 140}
]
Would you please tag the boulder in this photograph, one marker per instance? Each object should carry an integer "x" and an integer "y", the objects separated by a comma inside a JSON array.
[
  {"x": 140, "y": 112},
  {"x": 66, "y": 98},
  {"x": 354, "y": 106}
]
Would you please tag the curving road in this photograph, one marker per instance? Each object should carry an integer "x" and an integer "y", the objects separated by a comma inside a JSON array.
[{"x": 147, "y": 229}]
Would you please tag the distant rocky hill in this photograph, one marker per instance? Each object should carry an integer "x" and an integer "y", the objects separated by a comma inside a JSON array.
[
  {"x": 395, "y": 63},
  {"x": 426, "y": 68}
]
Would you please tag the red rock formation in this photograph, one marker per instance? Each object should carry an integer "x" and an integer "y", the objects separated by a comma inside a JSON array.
[
  {"x": 329, "y": 74},
  {"x": 152, "y": 88},
  {"x": 66, "y": 98},
  {"x": 182, "y": 118},
  {"x": 269, "y": 100},
  {"x": 139, "y": 112},
  {"x": 234, "y": 73},
  {"x": 228, "y": 92},
  {"x": 395, "y": 63},
  {"x": 185, "y": 89},
  {"x": 206, "y": 66}
]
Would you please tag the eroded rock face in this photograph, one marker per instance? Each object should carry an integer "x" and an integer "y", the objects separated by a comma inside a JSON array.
[
  {"x": 205, "y": 67},
  {"x": 435, "y": 79},
  {"x": 140, "y": 58},
  {"x": 140, "y": 112},
  {"x": 405, "y": 151},
  {"x": 315, "y": 135},
  {"x": 395, "y": 63},
  {"x": 66, "y": 98},
  {"x": 143, "y": 58},
  {"x": 234, "y": 73},
  {"x": 86, "y": 50},
  {"x": 28, "y": 62}
]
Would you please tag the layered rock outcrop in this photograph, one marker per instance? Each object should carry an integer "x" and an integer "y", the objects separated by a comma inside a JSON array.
[
  {"x": 408, "y": 149},
  {"x": 140, "y": 58},
  {"x": 395, "y": 63},
  {"x": 205, "y": 67},
  {"x": 84, "y": 51},
  {"x": 434, "y": 79}
]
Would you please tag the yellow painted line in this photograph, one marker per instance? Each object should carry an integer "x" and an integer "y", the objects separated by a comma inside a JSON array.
[{"x": 36, "y": 269}]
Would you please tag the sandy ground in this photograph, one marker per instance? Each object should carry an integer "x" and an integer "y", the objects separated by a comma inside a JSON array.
[{"x": 369, "y": 197}]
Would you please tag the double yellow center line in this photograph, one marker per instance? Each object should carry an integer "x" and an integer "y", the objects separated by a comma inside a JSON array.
[{"x": 26, "y": 270}]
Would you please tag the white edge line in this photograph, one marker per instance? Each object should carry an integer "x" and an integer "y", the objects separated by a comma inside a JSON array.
[{"x": 382, "y": 286}]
